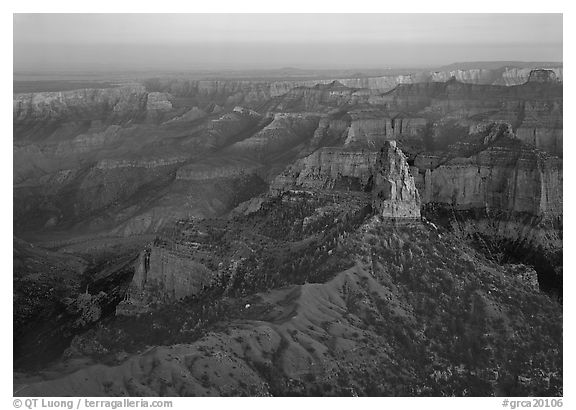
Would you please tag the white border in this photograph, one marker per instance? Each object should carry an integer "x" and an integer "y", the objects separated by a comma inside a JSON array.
[{"x": 270, "y": 6}]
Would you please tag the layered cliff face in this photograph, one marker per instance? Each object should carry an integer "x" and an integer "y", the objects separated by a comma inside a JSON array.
[
  {"x": 544, "y": 76},
  {"x": 255, "y": 92},
  {"x": 164, "y": 140},
  {"x": 337, "y": 237},
  {"x": 542, "y": 125},
  {"x": 385, "y": 175},
  {"x": 97, "y": 161},
  {"x": 516, "y": 76},
  {"x": 474, "y": 76},
  {"x": 378, "y": 182},
  {"x": 534, "y": 109},
  {"x": 318, "y": 98},
  {"x": 118, "y": 102},
  {"x": 284, "y": 132},
  {"x": 163, "y": 274},
  {"x": 509, "y": 193},
  {"x": 504, "y": 175},
  {"x": 372, "y": 128},
  {"x": 507, "y": 76},
  {"x": 159, "y": 102}
]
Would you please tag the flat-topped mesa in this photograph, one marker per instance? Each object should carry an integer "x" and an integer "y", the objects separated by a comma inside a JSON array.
[
  {"x": 384, "y": 175},
  {"x": 542, "y": 75}
]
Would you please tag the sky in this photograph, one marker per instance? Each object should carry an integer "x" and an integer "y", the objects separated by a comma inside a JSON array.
[{"x": 100, "y": 42}]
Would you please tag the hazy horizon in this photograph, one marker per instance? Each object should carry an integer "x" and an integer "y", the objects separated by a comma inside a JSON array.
[{"x": 140, "y": 42}]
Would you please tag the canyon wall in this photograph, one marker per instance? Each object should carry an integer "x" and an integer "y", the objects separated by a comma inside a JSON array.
[
  {"x": 504, "y": 175},
  {"x": 508, "y": 195},
  {"x": 86, "y": 104},
  {"x": 166, "y": 274},
  {"x": 383, "y": 175},
  {"x": 237, "y": 91}
]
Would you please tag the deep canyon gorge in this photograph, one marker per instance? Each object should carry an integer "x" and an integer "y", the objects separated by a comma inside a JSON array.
[{"x": 399, "y": 234}]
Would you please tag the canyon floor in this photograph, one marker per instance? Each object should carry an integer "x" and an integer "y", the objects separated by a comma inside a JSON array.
[{"x": 390, "y": 233}]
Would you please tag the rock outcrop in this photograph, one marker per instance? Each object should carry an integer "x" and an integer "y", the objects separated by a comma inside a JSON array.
[
  {"x": 504, "y": 175},
  {"x": 494, "y": 187},
  {"x": 516, "y": 76},
  {"x": 166, "y": 274},
  {"x": 372, "y": 128},
  {"x": 384, "y": 175}
]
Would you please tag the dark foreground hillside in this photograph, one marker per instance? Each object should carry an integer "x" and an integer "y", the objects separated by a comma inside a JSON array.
[{"x": 389, "y": 308}]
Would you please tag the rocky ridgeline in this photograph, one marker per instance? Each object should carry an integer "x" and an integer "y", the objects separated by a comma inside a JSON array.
[
  {"x": 474, "y": 76},
  {"x": 285, "y": 131},
  {"x": 229, "y": 126},
  {"x": 318, "y": 98},
  {"x": 516, "y": 76},
  {"x": 86, "y": 103},
  {"x": 156, "y": 96},
  {"x": 384, "y": 175},
  {"x": 507, "y": 76},
  {"x": 116, "y": 103},
  {"x": 254, "y": 91}
]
